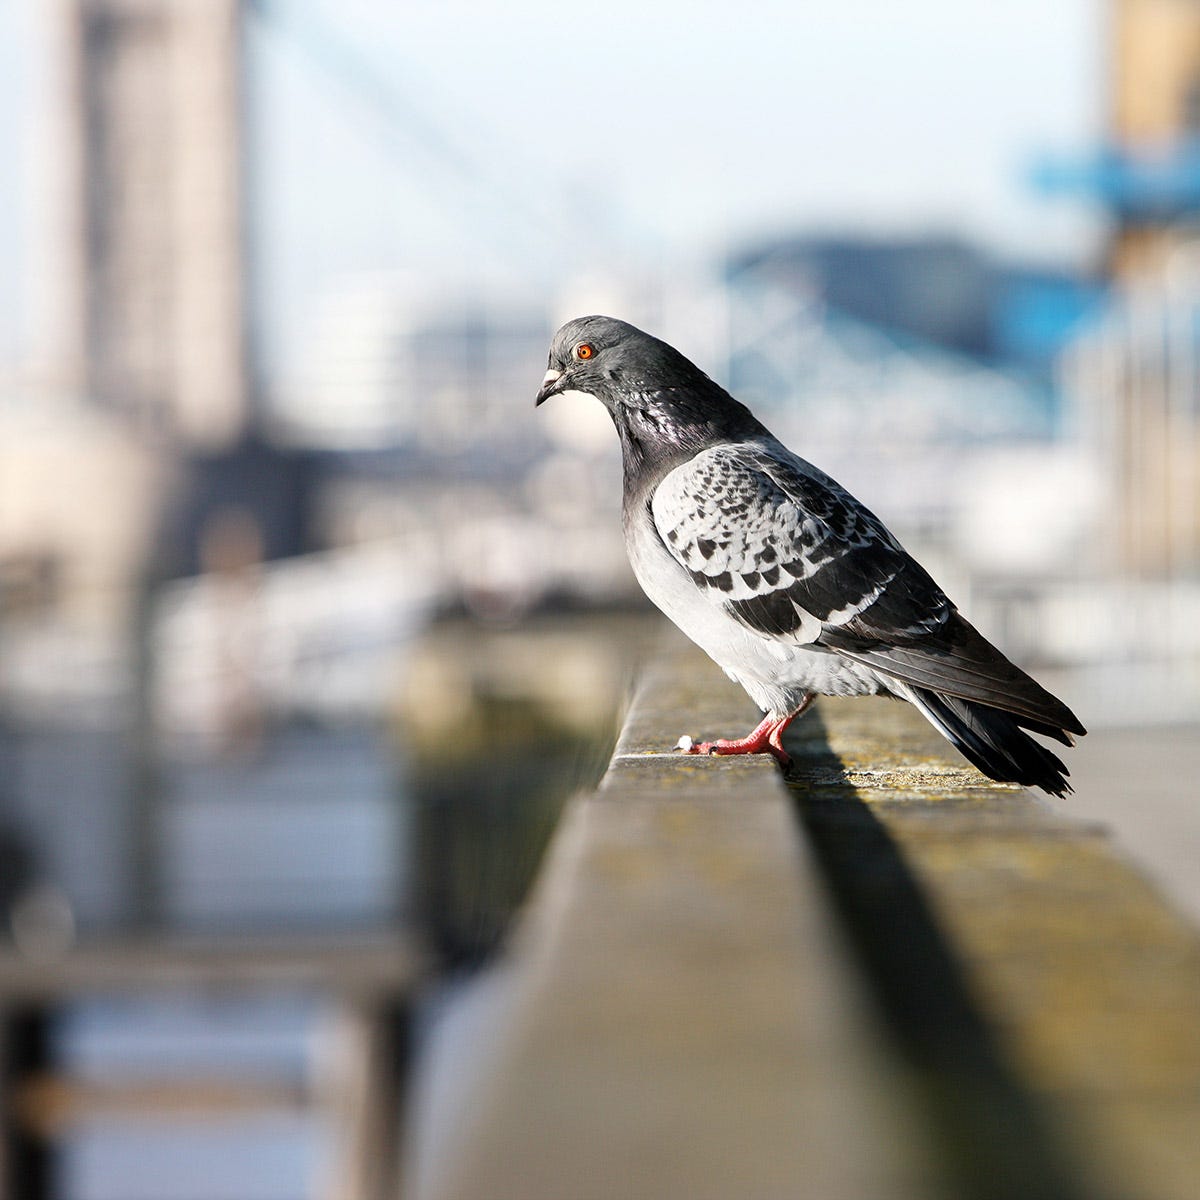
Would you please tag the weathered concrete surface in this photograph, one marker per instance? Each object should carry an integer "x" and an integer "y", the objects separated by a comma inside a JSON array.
[
  {"x": 685, "y": 1023},
  {"x": 1087, "y": 984},
  {"x": 908, "y": 981}
]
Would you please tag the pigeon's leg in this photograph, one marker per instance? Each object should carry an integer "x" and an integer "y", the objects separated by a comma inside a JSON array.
[{"x": 765, "y": 738}]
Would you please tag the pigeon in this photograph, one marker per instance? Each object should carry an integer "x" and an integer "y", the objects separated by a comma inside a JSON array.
[{"x": 791, "y": 585}]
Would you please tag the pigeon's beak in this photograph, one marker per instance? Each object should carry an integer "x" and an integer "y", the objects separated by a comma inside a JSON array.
[{"x": 549, "y": 386}]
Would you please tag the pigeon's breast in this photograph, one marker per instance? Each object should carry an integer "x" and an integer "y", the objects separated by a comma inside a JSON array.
[{"x": 777, "y": 673}]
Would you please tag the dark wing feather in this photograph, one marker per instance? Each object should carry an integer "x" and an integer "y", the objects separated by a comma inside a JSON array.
[
  {"x": 783, "y": 547},
  {"x": 791, "y": 554},
  {"x": 959, "y": 661}
]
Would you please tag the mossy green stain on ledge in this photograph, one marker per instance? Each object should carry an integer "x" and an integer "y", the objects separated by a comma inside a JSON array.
[
  {"x": 1082, "y": 986},
  {"x": 687, "y": 1020},
  {"x": 1085, "y": 983}
]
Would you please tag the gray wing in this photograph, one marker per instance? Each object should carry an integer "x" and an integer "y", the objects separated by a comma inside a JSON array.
[{"x": 791, "y": 554}]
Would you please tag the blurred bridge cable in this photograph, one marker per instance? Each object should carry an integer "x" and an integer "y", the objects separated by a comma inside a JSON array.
[{"x": 404, "y": 124}]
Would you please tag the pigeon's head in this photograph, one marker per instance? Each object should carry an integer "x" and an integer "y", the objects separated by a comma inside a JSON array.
[
  {"x": 652, "y": 392},
  {"x": 608, "y": 359}
]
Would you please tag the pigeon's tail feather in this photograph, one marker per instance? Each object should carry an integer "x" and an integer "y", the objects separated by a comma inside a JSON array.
[
  {"x": 994, "y": 740},
  {"x": 959, "y": 661}
]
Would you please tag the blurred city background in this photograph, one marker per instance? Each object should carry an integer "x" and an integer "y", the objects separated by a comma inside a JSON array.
[{"x": 308, "y": 623}]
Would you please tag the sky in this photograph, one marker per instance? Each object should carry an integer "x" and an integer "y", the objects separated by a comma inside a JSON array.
[{"x": 469, "y": 144}]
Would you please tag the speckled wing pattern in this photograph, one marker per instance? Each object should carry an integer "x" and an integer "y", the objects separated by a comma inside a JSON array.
[{"x": 790, "y": 553}]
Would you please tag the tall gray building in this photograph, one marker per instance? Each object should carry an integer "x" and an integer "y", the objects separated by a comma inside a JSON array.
[{"x": 149, "y": 319}]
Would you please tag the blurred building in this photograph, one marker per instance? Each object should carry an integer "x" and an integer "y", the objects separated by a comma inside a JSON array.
[
  {"x": 935, "y": 290},
  {"x": 147, "y": 232},
  {"x": 74, "y": 522},
  {"x": 136, "y": 440},
  {"x": 1134, "y": 373},
  {"x": 1154, "y": 190},
  {"x": 390, "y": 364},
  {"x": 351, "y": 390},
  {"x": 1134, "y": 379}
]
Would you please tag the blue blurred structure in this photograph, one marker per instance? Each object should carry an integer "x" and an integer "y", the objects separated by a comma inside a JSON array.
[
  {"x": 1134, "y": 182},
  {"x": 1037, "y": 313},
  {"x": 939, "y": 292}
]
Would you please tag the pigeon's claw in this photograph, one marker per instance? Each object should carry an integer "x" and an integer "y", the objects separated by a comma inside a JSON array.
[
  {"x": 746, "y": 745},
  {"x": 763, "y": 739}
]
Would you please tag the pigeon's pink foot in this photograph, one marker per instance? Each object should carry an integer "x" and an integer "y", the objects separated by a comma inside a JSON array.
[
  {"x": 764, "y": 739},
  {"x": 746, "y": 745}
]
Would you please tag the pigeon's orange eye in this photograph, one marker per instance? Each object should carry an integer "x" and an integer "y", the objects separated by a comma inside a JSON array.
[{"x": 584, "y": 350}]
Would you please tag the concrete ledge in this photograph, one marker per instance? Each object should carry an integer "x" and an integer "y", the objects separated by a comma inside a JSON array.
[
  {"x": 684, "y": 1021},
  {"x": 883, "y": 977},
  {"x": 1080, "y": 981}
]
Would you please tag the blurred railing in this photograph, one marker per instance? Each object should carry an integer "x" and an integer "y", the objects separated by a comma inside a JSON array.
[
  {"x": 882, "y": 975},
  {"x": 307, "y": 892},
  {"x": 356, "y": 1076}
]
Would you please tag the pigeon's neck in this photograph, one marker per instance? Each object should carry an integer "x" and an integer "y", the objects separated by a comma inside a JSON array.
[
  {"x": 648, "y": 457},
  {"x": 657, "y": 435}
]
